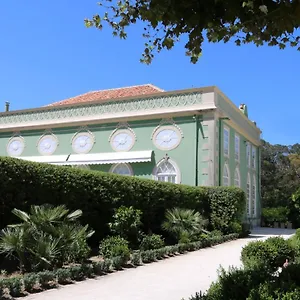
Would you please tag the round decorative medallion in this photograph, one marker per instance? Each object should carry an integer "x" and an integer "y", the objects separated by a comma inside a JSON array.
[
  {"x": 167, "y": 137},
  {"x": 83, "y": 142},
  {"x": 122, "y": 140},
  {"x": 15, "y": 146},
  {"x": 47, "y": 144}
]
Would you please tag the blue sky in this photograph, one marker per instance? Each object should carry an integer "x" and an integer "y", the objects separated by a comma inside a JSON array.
[{"x": 47, "y": 54}]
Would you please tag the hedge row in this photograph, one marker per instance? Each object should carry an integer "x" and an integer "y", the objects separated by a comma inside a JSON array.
[
  {"x": 36, "y": 282},
  {"x": 97, "y": 194}
]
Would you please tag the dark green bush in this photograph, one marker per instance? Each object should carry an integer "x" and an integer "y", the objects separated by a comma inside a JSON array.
[
  {"x": 152, "y": 241},
  {"x": 274, "y": 214},
  {"x": 270, "y": 254},
  {"x": 98, "y": 194},
  {"x": 126, "y": 223},
  {"x": 63, "y": 276},
  {"x": 115, "y": 246}
]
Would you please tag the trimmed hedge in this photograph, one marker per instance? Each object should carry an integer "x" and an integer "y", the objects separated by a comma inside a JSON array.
[
  {"x": 36, "y": 282},
  {"x": 97, "y": 194}
]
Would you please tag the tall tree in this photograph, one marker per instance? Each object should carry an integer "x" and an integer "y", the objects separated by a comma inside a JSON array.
[
  {"x": 271, "y": 22},
  {"x": 280, "y": 173}
]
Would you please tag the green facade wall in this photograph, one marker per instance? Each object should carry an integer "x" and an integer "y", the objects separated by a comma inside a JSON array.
[
  {"x": 242, "y": 164},
  {"x": 183, "y": 155}
]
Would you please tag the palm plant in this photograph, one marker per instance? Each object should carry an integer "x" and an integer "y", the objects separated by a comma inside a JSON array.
[
  {"x": 47, "y": 237},
  {"x": 183, "y": 223}
]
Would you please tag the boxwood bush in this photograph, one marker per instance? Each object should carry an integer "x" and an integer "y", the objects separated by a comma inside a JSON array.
[{"x": 98, "y": 194}]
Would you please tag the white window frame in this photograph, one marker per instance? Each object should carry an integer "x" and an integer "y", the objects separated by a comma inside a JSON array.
[
  {"x": 237, "y": 172},
  {"x": 227, "y": 130},
  {"x": 224, "y": 178},
  {"x": 237, "y": 147},
  {"x": 253, "y": 196},
  {"x": 173, "y": 163},
  {"x": 253, "y": 157},
  {"x": 115, "y": 166},
  {"x": 248, "y": 154},
  {"x": 248, "y": 195}
]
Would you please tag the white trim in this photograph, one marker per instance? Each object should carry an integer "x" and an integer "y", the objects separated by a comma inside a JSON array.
[
  {"x": 237, "y": 172},
  {"x": 124, "y": 131},
  {"x": 110, "y": 158},
  {"x": 44, "y": 136},
  {"x": 225, "y": 128},
  {"x": 226, "y": 168},
  {"x": 237, "y": 154},
  {"x": 248, "y": 195},
  {"x": 73, "y": 121},
  {"x": 253, "y": 199},
  {"x": 168, "y": 127},
  {"x": 79, "y": 134},
  {"x": 128, "y": 166},
  {"x": 174, "y": 164},
  {"x": 248, "y": 154},
  {"x": 18, "y": 138},
  {"x": 253, "y": 158}
]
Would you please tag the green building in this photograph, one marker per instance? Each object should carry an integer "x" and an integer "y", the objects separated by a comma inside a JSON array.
[{"x": 196, "y": 137}]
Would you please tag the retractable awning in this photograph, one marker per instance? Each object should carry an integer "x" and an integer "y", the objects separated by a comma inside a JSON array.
[
  {"x": 50, "y": 159},
  {"x": 93, "y": 158},
  {"x": 110, "y": 158}
]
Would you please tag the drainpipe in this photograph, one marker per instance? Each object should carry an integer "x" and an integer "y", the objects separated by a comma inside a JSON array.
[{"x": 196, "y": 118}]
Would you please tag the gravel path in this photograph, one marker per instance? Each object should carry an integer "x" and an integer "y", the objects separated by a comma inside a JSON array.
[{"x": 170, "y": 279}]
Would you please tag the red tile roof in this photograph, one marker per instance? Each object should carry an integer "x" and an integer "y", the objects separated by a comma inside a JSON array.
[{"x": 130, "y": 91}]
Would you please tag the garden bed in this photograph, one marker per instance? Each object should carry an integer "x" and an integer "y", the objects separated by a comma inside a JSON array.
[{"x": 21, "y": 285}]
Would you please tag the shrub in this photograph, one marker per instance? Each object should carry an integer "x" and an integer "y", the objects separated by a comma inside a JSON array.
[
  {"x": 48, "y": 237},
  {"x": 115, "y": 246},
  {"x": 275, "y": 214},
  {"x": 258, "y": 254},
  {"x": 282, "y": 249},
  {"x": 183, "y": 223},
  {"x": 63, "y": 276},
  {"x": 152, "y": 241},
  {"x": 269, "y": 254},
  {"x": 235, "y": 227},
  {"x": 126, "y": 223},
  {"x": 227, "y": 205},
  {"x": 98, "y": 194}
]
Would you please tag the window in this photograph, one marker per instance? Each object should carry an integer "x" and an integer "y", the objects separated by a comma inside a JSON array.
[
  {"x": 237, "y": 147},
  {"x": 84, "y": 167},
  {"x": 237, "y": 180},
  {"x": 167, "y": 137},
  {"x": 248, "y": 154},
  {"x": 226, "y": 176},
  {"x": 167, "y": 171},
  {"x": 122, "y": 169},
  {"x": 253, "y": 206},
  {"x": 253, "y": 157},
  {"x": 248, "y": 204},
  {"x": 226, "y": 141}
]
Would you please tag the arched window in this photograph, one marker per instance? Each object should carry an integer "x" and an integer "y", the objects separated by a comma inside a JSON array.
[
  {"x": 167, "y": 171},
  {"x": 226, "y": 175},
  {"x": 237, "y": 178},
  {"x": 248, "y": 194},
  {"x": 253, "y": 196},
  {"x": 84, "y": 167},
  {"x": 122, "y": 169}
]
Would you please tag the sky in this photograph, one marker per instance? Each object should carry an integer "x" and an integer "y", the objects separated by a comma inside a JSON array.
[{"x": 47, "y": 54}]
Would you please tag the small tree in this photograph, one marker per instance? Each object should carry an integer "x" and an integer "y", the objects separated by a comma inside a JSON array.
[
  {"x": 126, "y": 223},
  {"x": 183, "y": 223},
  {"x": 48, "y": 237}
]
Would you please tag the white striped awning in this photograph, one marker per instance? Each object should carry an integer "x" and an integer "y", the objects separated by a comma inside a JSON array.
[
  {"x": 110, "y": 158},
  {"x": 50, "y": 159},
  {"x": 93, "y": 158}
]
